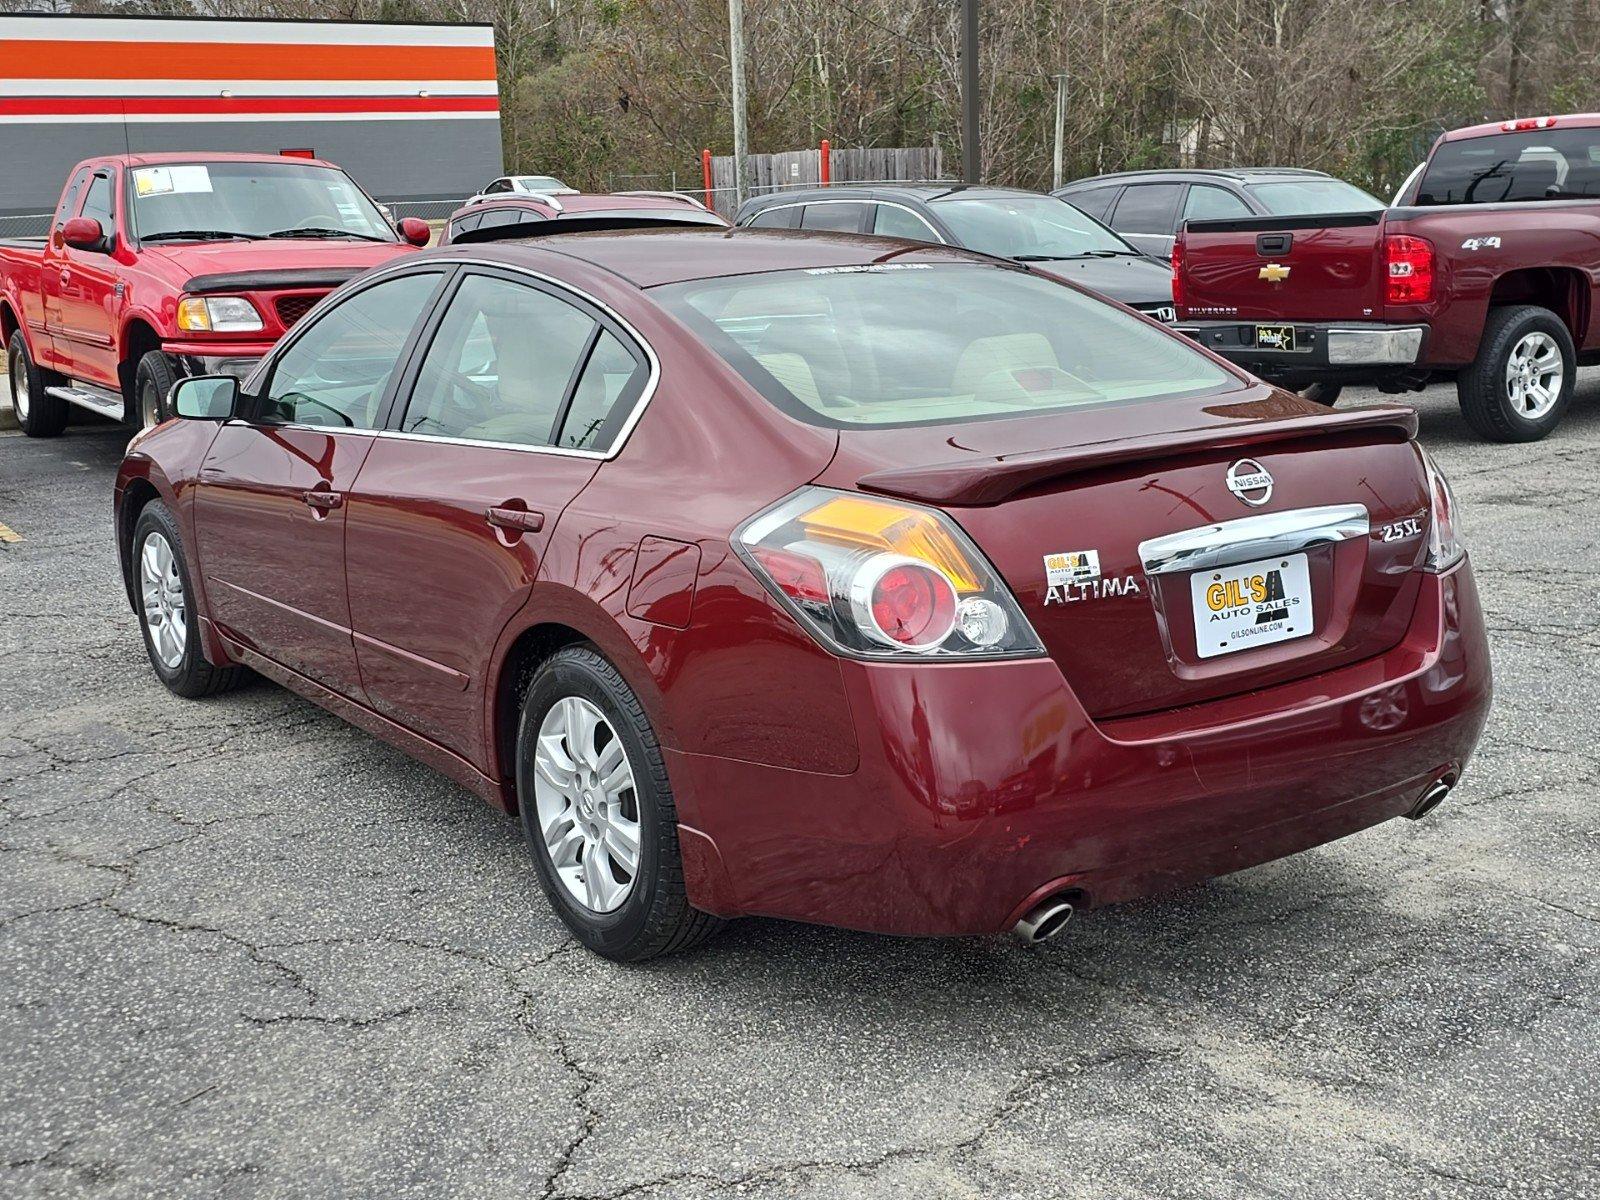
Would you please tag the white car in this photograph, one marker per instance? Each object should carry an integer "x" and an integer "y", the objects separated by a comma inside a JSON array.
[{"x": 523, "y": 185}]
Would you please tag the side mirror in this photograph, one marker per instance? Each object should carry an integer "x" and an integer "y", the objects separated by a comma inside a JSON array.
[
  {"x": 205, "y": 398},
  {"x": 83, "y": 233},
  {"x": 416, "y": 231}
]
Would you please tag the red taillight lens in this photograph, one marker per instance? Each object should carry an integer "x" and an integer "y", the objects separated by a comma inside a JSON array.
[
  {"x": 1408, "y": 263},
  {"x": 1177, "y": 276},
  {"x": 913, "y": 605},
  {"x": 798, "y": 576}
]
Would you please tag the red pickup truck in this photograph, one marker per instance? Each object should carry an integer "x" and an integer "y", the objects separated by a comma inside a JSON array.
[
  {"x": 161, "y": 265},
  {"x": 1484, "y": 272}
]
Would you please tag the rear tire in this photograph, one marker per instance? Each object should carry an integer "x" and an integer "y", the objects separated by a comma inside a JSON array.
[
  {"x": 165, "y": 594},
  {"x": 1519, "y": 386},
  {"x": 153, "y": 379},
  {"x": 39, "y": 414},
  {"x": 1322, "y": 393},
  {"x": 578, "y": 801}
]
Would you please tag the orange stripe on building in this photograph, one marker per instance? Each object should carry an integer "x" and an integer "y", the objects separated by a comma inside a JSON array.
[{"x": 237, "y": 60}]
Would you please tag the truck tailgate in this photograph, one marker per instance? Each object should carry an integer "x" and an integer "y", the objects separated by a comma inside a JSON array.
[{"x": 1326, "y": 268}]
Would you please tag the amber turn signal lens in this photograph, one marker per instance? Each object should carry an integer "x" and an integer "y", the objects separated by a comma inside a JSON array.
[{"x": 882, "y": 525}]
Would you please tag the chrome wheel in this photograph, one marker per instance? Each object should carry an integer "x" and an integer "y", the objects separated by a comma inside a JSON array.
[
  {"x": 1534, "y": 374},
  {"x": 587, "y": 808},
  {"x": 166, "y": 614},
  {"x": 19, "y": 386},
  {"x": 149, "y": 405}
]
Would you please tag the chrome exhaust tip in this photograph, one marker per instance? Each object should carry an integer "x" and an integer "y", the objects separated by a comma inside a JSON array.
[
  {"x": 1430, "y": 799},
  {"x": 1043, "y": 922}
]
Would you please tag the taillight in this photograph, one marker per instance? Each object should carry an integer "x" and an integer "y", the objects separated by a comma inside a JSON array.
[
  {"x": 1445, "y": 547},
  {"x": 876, "y": 578},
  {"x": 1177, "y": 275},
  {"x": 1408, "y": 263}
]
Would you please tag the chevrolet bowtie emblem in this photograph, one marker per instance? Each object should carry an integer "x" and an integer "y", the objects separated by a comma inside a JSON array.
[{"x": 1273, "y": 273}]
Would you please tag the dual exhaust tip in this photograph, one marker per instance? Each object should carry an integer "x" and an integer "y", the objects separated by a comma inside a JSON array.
[{"x": 1049, "y": 917}]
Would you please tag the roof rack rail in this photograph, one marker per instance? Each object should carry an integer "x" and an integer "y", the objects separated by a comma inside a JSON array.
[{"x": 687, "y": 199}]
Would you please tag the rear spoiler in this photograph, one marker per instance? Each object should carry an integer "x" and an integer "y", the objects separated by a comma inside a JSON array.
[
  {"x": 983, "y": 481},
  {"x": 1261, "y": 224}
]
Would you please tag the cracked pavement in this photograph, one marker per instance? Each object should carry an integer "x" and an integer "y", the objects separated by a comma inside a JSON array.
[{"x": 248, "y": 951}]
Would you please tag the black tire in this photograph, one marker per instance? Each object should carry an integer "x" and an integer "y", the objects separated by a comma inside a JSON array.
[
  {"x": 38, "y": 414},
  {"x": 153, "y": 378},
  {"x": 1322, "y": 393},
  {"x": 656, "y": 917},
  {"x": 190, "y": 675},
  {"x": 1483, "y": 389}
]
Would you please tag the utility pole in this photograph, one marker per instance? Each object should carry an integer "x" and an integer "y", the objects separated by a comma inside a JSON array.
[
  {"x": 736, "y": 65},
  {"x": 1061, "y": 128},
  {"x": 971, "y": 160}
]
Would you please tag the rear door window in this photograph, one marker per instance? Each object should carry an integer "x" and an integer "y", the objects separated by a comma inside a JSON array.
[
  {"x": 839, "y": 216},
  {"x": 1148, "y": 208}
]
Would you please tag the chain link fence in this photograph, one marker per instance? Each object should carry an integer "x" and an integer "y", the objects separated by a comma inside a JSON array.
[{"x": 25, "y": 225}]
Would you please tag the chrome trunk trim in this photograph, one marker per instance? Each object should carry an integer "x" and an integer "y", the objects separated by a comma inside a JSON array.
[{"x": 1250, "y": 538}]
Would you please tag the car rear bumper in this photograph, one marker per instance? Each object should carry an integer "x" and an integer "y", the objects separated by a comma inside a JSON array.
[
  {"x": 984, "y": 788},
  {"x": 1324, "y": 350}
]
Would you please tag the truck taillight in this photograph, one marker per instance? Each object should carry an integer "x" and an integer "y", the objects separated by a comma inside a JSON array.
[
  {"x": 1408, "y": 265},
  {"x": 1177, "y": 275}
]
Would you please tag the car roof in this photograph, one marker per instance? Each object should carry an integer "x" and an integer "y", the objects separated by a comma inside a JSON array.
[
  {"x": 1567, "y": 121},
  {"x": 582, "y": 202},
  {"x": 1182, "y": 174},
  {"x": 651, "y": 257},
  {"x": 884, "y": 191},
  {"x": 208, "y": 156}
]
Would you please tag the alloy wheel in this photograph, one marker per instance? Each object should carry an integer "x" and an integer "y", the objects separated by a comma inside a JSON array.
[
  {"x": 587, "y": 807},
  {"x": 1534, "y": 375},
  {"x": 166, "y": 613},
  {"x": 149, "y": 405}
]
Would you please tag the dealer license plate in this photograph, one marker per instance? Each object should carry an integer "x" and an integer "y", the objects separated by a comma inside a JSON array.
[
  {"x": 1275, "y": 337},
  {"x": 1252, "y": 604}
]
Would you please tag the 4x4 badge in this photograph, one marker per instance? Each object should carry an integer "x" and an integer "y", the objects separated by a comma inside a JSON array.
[{"x": 1250, "y": 481}]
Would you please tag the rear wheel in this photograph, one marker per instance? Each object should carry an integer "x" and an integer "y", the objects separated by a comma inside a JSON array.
[
  {"x": 1518, "y": 388},
  {"x": 1322, "y": 393},
  {"x": 39, "y": 414},
  {"x": 153, "y": 379},
  {"x": 598, "y": 812}
]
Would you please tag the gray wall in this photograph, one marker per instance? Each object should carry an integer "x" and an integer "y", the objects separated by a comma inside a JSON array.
[{"x": 445, "y": 159}]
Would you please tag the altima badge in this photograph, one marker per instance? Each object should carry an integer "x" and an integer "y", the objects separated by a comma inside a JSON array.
[
  {"x": 1274, "y": 273},
  {"x": 1250, "y": 481}
]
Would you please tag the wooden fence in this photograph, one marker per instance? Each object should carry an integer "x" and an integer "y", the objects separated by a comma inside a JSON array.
[{"x": 803, "y": 168}]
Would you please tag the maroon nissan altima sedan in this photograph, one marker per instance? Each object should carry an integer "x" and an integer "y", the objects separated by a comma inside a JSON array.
[{"x": 821, "y": 577}]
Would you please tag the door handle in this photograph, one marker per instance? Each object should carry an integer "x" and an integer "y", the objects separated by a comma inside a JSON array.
[
  {"x": 520, "y": 519},
  {"x": 323, "y": 501}
]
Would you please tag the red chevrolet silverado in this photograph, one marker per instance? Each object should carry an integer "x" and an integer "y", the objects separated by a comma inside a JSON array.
[
  {"x": 1484, "y": 272},
  {"x": 163, "y": 265}
]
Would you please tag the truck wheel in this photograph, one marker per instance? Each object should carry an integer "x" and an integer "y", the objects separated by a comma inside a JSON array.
[
  {"x": 1518, "y": 388},
  {"x": 1322, "y": 393},
  {"x": 153, "y": 378},
  {"x": 40, "y": 415}
]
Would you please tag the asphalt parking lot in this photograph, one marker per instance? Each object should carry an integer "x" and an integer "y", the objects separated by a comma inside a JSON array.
[{"x": 245, "y": 950}]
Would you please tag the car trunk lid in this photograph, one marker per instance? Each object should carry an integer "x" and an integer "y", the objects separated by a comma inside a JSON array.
[{"x": 1103, "y": 543}]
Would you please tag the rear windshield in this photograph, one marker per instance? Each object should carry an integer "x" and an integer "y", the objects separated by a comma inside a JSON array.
[
  {"x": 919, "y": 344},
  {"x": 1312, "y": 197},
  {"x": 1028, "y": 227},
  {"x": 1539, "y": 164}
]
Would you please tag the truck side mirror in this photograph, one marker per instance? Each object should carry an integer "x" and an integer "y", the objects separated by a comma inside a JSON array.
[
  {"x": 205, "y": 398},
  {"x": 415, "y": 230},
  {"x": 83, "y": 233}
]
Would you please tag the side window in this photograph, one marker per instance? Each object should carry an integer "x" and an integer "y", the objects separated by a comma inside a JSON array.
[
  {"x": 1207, "y": 203},
  {"x": 612, "y": 380},
  {"x": 500, "y": 365},
  {"x": 69, "y": 198},
  {"x": 1148, "y": 208},
  {"x": 890, "y": 221},
  {"x": 499, "y": 185},
  {"x": 336, "y": 372},
  {"x": 774, "y": 218},
  {"x": 508, "y": 216},
  {"x": 1094, "y": 201},
  {"x": 842, "y": 216},
  {"x": 97, "y": 203},
  {"x": 464, "y": 225}
]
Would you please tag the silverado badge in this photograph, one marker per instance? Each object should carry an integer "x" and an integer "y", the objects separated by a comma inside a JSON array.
[{"x": 1274, "y": 273}]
